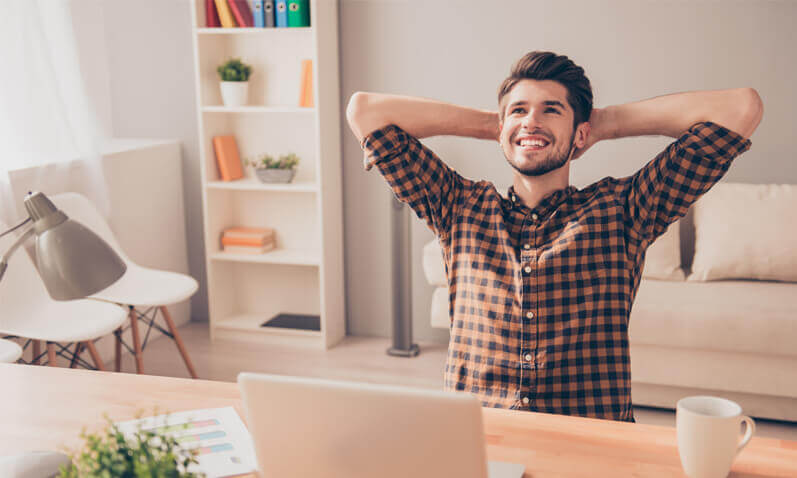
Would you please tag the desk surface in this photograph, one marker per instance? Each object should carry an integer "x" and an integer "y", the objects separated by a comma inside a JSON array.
[{"x": 46, "y": 408}]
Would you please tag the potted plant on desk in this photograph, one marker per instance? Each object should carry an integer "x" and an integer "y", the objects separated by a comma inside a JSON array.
[
  {"x": 234, "y": 82},
  {"x": 146, "y": 454},
  {"x": 269, "y": 170}
]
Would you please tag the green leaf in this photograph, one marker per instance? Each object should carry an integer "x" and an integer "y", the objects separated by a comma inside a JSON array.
[{"x": 234, "y": 70}]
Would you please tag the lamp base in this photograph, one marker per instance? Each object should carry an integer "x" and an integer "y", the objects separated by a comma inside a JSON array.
[{"x": 413, "y": 351}]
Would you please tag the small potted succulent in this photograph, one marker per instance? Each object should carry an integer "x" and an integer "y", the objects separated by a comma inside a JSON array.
[
  {"x": 269, "y": 170},
  {"x": 234, "y": 81}
]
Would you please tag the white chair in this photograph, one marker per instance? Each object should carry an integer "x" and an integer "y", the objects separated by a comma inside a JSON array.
[
  {"x": 140, "y": 287},
  {"x": 28, "y": 311},
  {"x": 10, "y": 352}
]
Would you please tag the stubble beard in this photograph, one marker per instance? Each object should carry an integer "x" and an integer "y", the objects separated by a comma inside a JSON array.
[{"x": 544, "y": 166}]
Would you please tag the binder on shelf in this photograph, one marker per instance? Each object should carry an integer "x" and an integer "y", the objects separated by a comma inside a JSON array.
[
  {"x": 298, "y": 13},
  {"x": 227, "y": 158},
  {"x": 225, "y": 17},
  {"x": 241, "y": 12},
  {"x": 306, "y": 90},
  {"x": 268, "y": 13},
  {"x": 281, "y": 15},
  {"x": 211, "y": 15},
  {"x": 257, "y": 13}
]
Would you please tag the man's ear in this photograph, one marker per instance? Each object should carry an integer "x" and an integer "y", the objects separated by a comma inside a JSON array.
[{"x": 582, "y": 133}]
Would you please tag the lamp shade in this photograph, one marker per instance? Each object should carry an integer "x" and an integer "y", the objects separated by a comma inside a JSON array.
[{"x": 73, "y": 261}]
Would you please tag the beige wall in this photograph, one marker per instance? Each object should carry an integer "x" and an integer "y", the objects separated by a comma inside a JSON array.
[{"x": 459, "y": 51}]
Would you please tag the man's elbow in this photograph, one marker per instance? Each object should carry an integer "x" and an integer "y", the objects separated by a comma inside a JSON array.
[
  {"x": 751, "y": 111},
  {"x": 356, "y": 112}
]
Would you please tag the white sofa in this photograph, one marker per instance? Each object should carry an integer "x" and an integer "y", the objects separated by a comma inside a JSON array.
[{"x": 716, "y": 310}]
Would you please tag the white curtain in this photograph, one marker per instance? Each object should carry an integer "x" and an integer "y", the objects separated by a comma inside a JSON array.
[{"x": 48, "y": 124}]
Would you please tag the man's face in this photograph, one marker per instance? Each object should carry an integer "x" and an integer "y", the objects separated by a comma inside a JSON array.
[{"x": 537, "y": 129}]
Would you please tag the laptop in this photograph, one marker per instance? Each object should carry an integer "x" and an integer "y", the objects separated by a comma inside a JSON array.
[{"x": 308, "y": 427}]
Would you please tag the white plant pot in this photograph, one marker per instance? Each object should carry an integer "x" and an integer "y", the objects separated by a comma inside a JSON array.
[
  {"x": 275, "y": 175},
  {"x": 235, "y": 93}
]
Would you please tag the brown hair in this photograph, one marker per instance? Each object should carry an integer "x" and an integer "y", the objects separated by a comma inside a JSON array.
[{"x": 544, "y": 65}]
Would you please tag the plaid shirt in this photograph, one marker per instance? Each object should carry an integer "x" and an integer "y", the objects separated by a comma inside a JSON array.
[{"x": 540, "y": 298}]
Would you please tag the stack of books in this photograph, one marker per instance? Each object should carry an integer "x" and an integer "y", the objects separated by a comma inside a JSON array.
[
  {"x": 257, "y": 13},
  {"x": 247, "y": 240}
]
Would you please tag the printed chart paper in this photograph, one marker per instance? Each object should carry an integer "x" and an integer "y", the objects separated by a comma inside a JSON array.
[{"x": 223, "y": 443}]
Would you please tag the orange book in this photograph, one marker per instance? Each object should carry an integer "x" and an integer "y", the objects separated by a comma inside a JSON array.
[
  {"x": 227, "y": 158},
  {"x": 306, "y": 91},
  {"x": 247, "y": 236},
  {"x": 247, "y": 249}
]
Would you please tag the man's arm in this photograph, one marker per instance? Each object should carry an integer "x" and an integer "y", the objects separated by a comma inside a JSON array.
[
  {"x": 711, "y": 128},
  {"x": 420, "y": 117},
  {"x": 739, "y": 110}
]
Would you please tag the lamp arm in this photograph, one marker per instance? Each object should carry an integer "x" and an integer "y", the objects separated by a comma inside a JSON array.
[
  {"x": 17, "y": 226},
  {"x": 10, "y": 251}
]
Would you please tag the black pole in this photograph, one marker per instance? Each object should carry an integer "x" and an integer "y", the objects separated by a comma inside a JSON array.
[{"x": 402, "y": 283}]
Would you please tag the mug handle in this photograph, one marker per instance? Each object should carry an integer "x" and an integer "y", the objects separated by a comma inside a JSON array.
[{"x": 748, "y": 433}]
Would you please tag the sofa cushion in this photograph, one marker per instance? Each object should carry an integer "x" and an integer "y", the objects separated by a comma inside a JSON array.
[
  {"x": 663, "y": 257},
  {"x": 433, "y": 266},
  {"x": 745, "y": 231},
  {"x": 737, "y": 316},
  {"x": 440, "y": 316}
]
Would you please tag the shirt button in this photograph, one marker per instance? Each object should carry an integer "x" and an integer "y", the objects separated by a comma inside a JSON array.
[
  {"x": 526, "y": 400},
  {"x": 527, "y": 269},
  {"x": 535, "y": 216},
  {"x": 526, "y": 246},
  {"x": 528, "y": 357},
  {"x": 529, "y": 315}
]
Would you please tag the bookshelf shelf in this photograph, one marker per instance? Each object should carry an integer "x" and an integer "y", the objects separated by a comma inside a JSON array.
[
  {"x": 296, "y": 257},
  {"x": 254, "y": 31},
  {"x": 246, "y": 327},
  {"x": 304, "y": 275},
  {"x": 258, "y": 109},
  {"x": 252, "y": 184}
]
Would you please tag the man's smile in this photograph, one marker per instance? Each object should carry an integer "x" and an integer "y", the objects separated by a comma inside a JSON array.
[{"x": 534, "y": 142}]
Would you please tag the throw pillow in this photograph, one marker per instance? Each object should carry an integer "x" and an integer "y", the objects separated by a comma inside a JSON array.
[
  {"x": 663, "y": 257},
  {"x": 746, "y": 231}
]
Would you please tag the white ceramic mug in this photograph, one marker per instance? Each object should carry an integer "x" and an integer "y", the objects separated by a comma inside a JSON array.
[{"x": 708, "y": 431}]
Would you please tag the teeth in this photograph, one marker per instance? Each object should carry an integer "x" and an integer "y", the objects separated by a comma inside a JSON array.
[{"x": 533, "y": 142}]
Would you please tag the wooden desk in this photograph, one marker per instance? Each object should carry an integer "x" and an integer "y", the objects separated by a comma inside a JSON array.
[{"x": 45, "y": 408}]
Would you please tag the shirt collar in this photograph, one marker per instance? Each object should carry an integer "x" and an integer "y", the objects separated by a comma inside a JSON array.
[{"x": 547, "y": 204}]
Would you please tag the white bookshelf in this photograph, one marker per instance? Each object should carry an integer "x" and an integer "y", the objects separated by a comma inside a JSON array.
[{"x": 304, "y": 273}]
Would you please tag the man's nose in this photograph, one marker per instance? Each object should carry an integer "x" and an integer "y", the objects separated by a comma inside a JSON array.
[{"x": 531, "y": 119}]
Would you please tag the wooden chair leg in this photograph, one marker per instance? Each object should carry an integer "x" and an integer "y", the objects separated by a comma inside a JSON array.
[
  {"x": 95, "y": 356},
  {"x": 118, "y": 357},
  {"x": 136, "y": 341},
  {"x": 51, "y": 354},
  {"x": 178, "y": 340},
  {"x": 36, "y": 351},
  {"x": 76, "y": 355}
]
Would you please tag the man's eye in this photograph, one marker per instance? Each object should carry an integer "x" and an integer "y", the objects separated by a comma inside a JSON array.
[
  {"x": 517, "y": 110},
  {"x": 553, "y": 109}
]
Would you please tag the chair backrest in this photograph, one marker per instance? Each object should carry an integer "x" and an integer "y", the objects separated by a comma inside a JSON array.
[
  {"x": 21, "y": 285},
  {"x": 80, "y": 209}
]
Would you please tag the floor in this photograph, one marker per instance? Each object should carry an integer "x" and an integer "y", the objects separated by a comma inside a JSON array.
[{"x": 356, "y": 359}]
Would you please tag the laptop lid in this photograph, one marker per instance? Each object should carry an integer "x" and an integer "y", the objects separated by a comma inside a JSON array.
[{"x": 330, "y": 429}]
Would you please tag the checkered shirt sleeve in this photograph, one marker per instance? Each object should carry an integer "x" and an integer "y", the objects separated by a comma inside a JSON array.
[
  {"x": 663, "y": 190},
  {"x": 416, "y": 175}
]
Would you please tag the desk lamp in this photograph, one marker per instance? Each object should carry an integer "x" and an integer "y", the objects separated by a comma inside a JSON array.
[{"x": 73, "y": 261}]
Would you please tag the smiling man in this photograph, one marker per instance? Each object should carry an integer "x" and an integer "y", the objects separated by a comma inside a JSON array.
[{"x": 542, "y": 280}]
